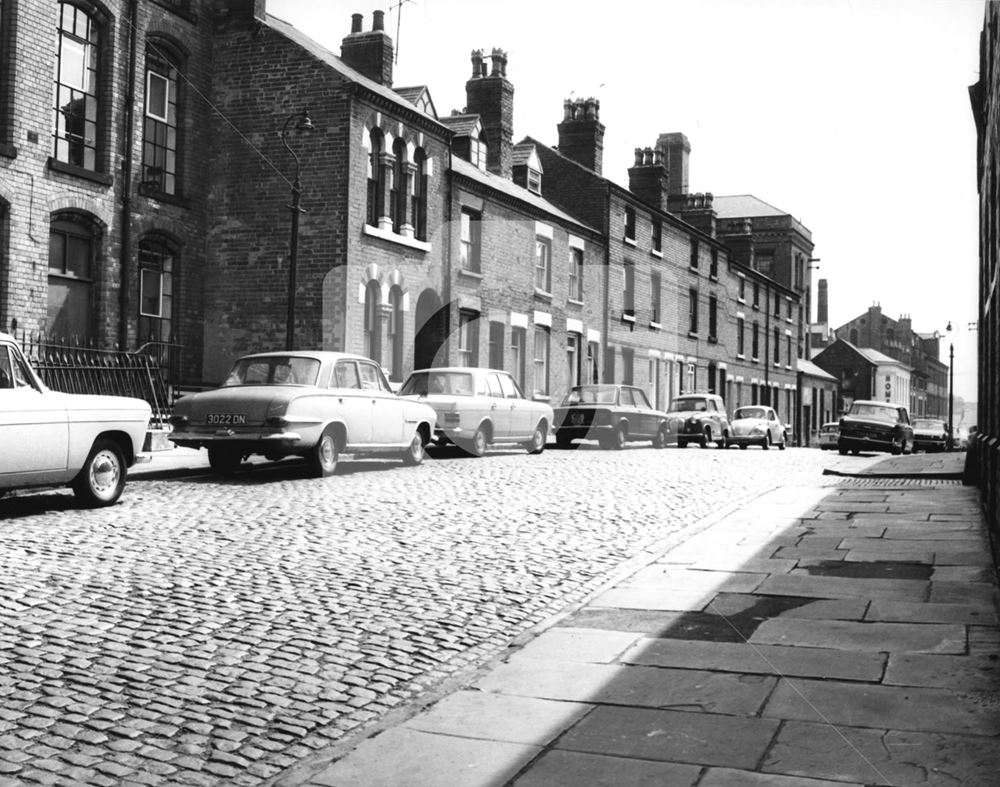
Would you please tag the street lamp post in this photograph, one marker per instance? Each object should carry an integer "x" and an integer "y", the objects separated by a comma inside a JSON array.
[
  {"x": 951, "y": 389},
  {"x": 304, "y": 124}
]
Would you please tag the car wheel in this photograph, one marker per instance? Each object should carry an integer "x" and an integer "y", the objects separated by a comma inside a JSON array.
[
  {"x": 722, "y": 442},
  {"x": 477, "y": 445},
  {"x": 416, "y": 451},
  {"x": 896, "y": 448},
  {"x": 781, "y": 445},
  {"x": 743, "y": 446},
  {"x": 706, "y": 438},
  {"x": 614, "y": 441},
  {"x": 537, "y": 442},
  {"x": 101, "y": 481},
  {"x": 855, "y": 451},
  {"x": 324, "y": 456},
  {"x": 906, "y": 448},
  {"x": 682, "y": 444},
  {"x": 224, "y": 460},
  {"x": 660, "y": 440},
  {"x": 767, "y": 441},
  {"x": 843, "y": 451}
]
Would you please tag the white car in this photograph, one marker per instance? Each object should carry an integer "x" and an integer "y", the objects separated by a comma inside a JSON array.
[
  {"x": 56, "y": 439},
  {"x": 828, "y": 435},
  {"x": 316, "y": 405},
  {"x": 478, "y": 407},
  {"x": 757, "y": 425}
]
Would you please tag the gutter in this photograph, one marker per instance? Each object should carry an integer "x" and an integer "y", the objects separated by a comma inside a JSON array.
[{"x": 126, "y": 186}]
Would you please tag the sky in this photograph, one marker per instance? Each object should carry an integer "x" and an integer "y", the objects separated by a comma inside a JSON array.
[{"x": 851, "y": 115}]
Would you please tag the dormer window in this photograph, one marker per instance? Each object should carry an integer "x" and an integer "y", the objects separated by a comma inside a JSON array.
[{"x": 534, "y": 181}]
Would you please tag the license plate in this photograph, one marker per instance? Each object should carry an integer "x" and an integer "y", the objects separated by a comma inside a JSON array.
[
  {"x": 576, "y": 418},
  {"x": 225, "y": 419}
]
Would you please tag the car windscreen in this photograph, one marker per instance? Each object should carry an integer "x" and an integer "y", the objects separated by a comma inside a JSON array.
[
  {"x": 928, "y": 423},
  {"x": 689, "y": 404},
  {"x": 424, "y": 383},
  {"x": 876, "y": 412},
  {"x": 590, "y": 394},
  {"x": 274, "y": 370},
  {"x": 750, "y": 412}
]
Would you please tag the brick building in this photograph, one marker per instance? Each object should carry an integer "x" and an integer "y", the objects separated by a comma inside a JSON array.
[
  {"x": 920, "y": 352},
  {"x": 983, "y": 462},
  {"x": 864, "y": 373}
]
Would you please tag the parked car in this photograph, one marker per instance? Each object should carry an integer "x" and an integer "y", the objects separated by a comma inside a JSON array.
[
  {"x": 477, "y": 408},
  {"x": 875, "y": 426},
  {"x": 317, "y": 405},
  {"x": 960, "y": 440},
  {"x": 611, "y": 414},
  {"x": 700, "y": 418},
  {"x": 54, "y": 439},
  {"x": 757, "y": 425},
  {"x": 828, "y": 436},
  {"x": 930, "y": 434}
]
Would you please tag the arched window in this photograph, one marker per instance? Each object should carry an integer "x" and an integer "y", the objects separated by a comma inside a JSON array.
[
  {"x": 854, "y": 336},
  {"x": 77, "y": 78},
  {"x": 72, "y": 248},
  {"x": 373, "y": 333},
  {"x": 398, "y": 193},
  {"x": 375, "y": 177},
  {"x": 395, "y": 365},
  {"x": 419, "y": 212},
  {"x": 156, "y": 291},
  {"x": 159, "y": 140}
]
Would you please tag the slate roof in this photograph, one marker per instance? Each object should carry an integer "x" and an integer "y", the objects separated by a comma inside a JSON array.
[
  {"x": 744, "y": 206},
  {"x": 808, "y": 367},
  {"x": 462, "y": 125}
]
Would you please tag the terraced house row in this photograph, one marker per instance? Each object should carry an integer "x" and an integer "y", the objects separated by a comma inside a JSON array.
[{"x": 157, "y": 153}]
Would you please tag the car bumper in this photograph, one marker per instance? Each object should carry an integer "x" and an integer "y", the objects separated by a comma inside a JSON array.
[
  {"x": 592, "y": 432},
  {"x": 865, "y": 443},
  {"x": 923, "y": 444},
  {"x": 747, "y": 439}
]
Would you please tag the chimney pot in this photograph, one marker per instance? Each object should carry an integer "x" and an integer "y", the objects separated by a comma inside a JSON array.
[
  {"x": 378, "y": 20},
  {"x": 568, "y": 110},
  {"x": 497, "y": 57},
  {"x": 477, "y": 63},
  {"x": 356, "y": 22}
]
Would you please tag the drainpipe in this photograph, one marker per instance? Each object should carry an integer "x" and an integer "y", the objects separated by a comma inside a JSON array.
[
  {"x": 126, "y": 186},
  {"x": 606, "y": 340}
]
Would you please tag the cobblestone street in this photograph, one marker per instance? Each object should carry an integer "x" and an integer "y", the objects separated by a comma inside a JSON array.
[{"x": 209, "y": 632}]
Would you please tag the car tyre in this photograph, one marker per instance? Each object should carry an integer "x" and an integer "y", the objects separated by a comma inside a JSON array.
[
  {"x": 781, "y": 445},
  {"x": 682, "y": 444},
  {"x": 660, "y": 440},
  {"x": 537, "y": 442},
  {"x": 706, "y": 438},
  {"x": 325, "y": 454},
  {"x": 415, "y": 451},
  {"x": 477, "y": 445},
  {"x": 743, "y": 446},
  {"x": 842, "y": 450},
  {"x": 615, "y": 441},
  {"x": 767, "y": 441},
  {"x": 224, "y": 460},
  {"x": 101, "y": 481},
  {"x": 722, "y": 442}
]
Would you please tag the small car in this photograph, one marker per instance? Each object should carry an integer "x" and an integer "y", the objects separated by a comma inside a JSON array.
[
  {"x": 317, "y": 405},
  {"x": 828, "y": 435},
  {"x": 49, "y": 438},
  {"x": 757, "y": 425},
  {"x": 611, "y": 414},
  {"x": 478, "y": 407},
  {"x": 870, "y": 425},
  {"x": 930, "y": 434},
  {"x": 700, "y": 418}
]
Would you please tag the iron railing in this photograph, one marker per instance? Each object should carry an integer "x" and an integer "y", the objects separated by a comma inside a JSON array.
[{"x": 148, "y": 373}]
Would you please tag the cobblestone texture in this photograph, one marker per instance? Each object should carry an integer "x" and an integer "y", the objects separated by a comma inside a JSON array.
[{"x": 213, "y": 632}]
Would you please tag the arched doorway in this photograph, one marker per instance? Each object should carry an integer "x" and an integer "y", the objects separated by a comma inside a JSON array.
[{"x": 431, "y": 334}]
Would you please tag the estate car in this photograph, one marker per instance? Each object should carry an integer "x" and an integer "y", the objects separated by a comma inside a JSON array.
[
  {"x": 51, "y": 438},
  {"x": 875, "y": 426},
  {"x": 610, "y": 414},
  {"x": 316, "y": 405},
  {"x": 478, "y": 407}
]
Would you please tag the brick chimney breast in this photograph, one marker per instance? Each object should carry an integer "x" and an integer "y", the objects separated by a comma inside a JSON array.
[
  {"x": 491, "y": 96},
  {"x": 369, "y": 52},
  {"x": 648, "y": 178},
  {"x": 581, "y": 133}
]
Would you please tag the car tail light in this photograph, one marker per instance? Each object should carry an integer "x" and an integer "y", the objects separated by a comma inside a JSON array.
[
  {"x": 276, "y": 421},
  {"x": 178, "y": 421}
]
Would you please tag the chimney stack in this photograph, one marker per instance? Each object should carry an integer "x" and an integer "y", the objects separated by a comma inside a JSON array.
[
  {"x": 822, "y": 303},
  {"x": 491, "y": 96},
  {"x": 675, "y": 149},
  {"x": 369, "y": 52},
  {"x": 581, "y": 133},
  {"x": 648, "y": 178}
]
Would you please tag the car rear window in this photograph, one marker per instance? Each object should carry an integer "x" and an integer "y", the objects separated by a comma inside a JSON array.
[
  {"x": 273, "y": 370},
  {"x": 750, "y": 412},
  {"x": 590, "y": 394},
  {"x": 878, "y": 412},
  {"x": 424, "y": 383},
  {"x": 701, "y": 405},
  {"x": 928, "y": 423}
]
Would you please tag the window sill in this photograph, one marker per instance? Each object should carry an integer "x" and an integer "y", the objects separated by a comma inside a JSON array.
[
  {"x": 693, "y": 268},
  {"x": 626, "y": 317},
  {"x": 788, "y": 368},
  {"x": 628, "y": 241},
  {"x": 468, "y": 272},
  {"x": 392, "y": 237},
  {"x": 713, "y": 339},
  {"x": 100, "y": 178},
  {"x": 8, "y": 151},
  {"x": 656, "y": 253},
  {"x": 756, "y": 307},
  {"x": 742, "y": 300},
  {"x": 543, "y": 295},
  {"x": 755, "y": 360},
  {"x": 574, "y": 302},
  {"x": 162, "y": 196},
  {"x": 740, "y": 357},
  {"x": 692, "y": 334},
  {"x": 655, "y": 326},
  {"x": 713, "y": 276}
]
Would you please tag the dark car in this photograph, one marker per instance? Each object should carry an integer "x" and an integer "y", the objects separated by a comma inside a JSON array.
[
  {"x": 611, "y": 414},
  {"x": 700, "y": 418},
  {"x": 875, "y": 426},
  {"x": 930, "y": 434}
]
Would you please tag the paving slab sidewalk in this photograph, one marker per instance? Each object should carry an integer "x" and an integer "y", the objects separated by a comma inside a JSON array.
[{"x": 823, "y": 636}]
